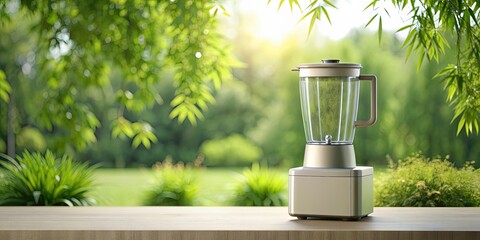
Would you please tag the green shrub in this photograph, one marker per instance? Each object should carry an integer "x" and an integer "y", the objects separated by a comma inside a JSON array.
[
  {"x": 418, "y": 181},
  {"x": 175, "y": 185},
  {"x": 45, "y": 180},
  {"x": 234, "y": 150},
  {"x": 31, "y": 138},
  {"x": 259, "y": 187}
]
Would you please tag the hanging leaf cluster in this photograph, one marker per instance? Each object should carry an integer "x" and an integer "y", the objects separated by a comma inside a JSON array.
[
  {"x": 82, "y": 43},
  {"x": 430, "y": 25}
]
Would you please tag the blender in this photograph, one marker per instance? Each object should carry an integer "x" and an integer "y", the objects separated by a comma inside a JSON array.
[{"x": 330, "y": 185}]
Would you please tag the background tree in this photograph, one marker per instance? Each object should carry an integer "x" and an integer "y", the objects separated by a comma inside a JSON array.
[
  {"x": 17, "y": 61},
  {"x": 79, "y": 44}
]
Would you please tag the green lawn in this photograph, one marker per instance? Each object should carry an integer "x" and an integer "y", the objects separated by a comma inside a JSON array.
[
  {"x": 125, "y": 187},
  {"x": 121, "y": 187}
]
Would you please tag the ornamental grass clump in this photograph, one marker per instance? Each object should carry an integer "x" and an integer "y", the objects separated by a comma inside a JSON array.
[
  {"x": 418, "y": 181},
  {"x": 34, "y": 179},
  {"x": 259, "y": 187},
  {"x": 175, "y": 185}
]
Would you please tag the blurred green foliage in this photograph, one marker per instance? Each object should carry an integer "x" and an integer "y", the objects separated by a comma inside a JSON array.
[
  {"x": 261, "y": 104},
  {"x": 175, "y": 185},
  {"x": 259, "y": 186},
  {"x": 418, "y": 181},
  {"x": 34, "y": 179},
  {"x": 234, "y": 150},
  {"x": 32, "y": 139},
  {"x": 75, "y": 46},
  {"x": 433, "y": 27},
  {"x": 5, "y": 88}
]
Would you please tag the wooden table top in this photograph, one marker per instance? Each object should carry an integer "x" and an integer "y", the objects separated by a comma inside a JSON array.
[{"x": 231, "y": 218}]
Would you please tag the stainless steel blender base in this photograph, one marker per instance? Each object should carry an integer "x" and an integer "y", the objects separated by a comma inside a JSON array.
[{"x": 342, "y": 193}]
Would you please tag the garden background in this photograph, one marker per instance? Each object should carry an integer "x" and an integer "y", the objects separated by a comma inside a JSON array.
[{"x": 255, "y": 117}]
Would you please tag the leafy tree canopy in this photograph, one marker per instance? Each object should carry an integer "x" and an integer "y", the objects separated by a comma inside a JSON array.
[{"x": 81, "y": 42}]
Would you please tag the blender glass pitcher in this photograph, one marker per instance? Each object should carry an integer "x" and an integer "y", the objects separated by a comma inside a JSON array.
[{"x": 329, "y": 93}]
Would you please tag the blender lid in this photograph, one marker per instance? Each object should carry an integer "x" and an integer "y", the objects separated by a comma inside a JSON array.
[{"x": 329, "y": 68}]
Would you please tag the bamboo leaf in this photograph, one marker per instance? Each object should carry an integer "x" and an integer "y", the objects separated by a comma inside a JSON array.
[
  {"x": 177, "y": 100},
  {"x": 458, "y": 112},
  {"x": 292, "y": 2},
  {"x": 313, "y": 4},
  {"x": 386, "y": 11},
  {"x": 461, "y": 124},
  {"x": 411, "y": 46},
  {"x": 307, "y": 14},
  {"x": 195, "y": 111},
  {"x": 191, "y": 118},
  {"x": 329, "y": 3},
  {"x": 280, "y": 4},
  {"x": 182, "y": 115},
  {"x": 404, "y": 28},
  {"x": 451, "y": 93},
  {"x": 410, "y": 38},
  {"x": 146, "y": 142},
  {"x": 448, "y": 70},
  {"x": 371, "y": 20},
  {"x": 177, "y": 111},
  {"x": 380, "y": 29},
  {"x": 420, "y": 60},
  {"x": 473, "y": 15},
  {"x": 371, "y": 4},
  {"x": 136, "y": 141},
  {"x": 326, "y": 14},
  {"x": 312, "y": 22}
]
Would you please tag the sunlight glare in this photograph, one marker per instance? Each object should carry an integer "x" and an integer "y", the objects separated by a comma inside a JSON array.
[
  {"x": 272, "y": 24},
  {"x": 275, "y": 24}
]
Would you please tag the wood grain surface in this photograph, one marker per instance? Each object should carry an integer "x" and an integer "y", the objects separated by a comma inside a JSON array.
[{"x": 138, "y": 223}]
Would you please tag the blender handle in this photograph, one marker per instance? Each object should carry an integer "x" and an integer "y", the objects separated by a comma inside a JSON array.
[{"x": 373, "y": 101}]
